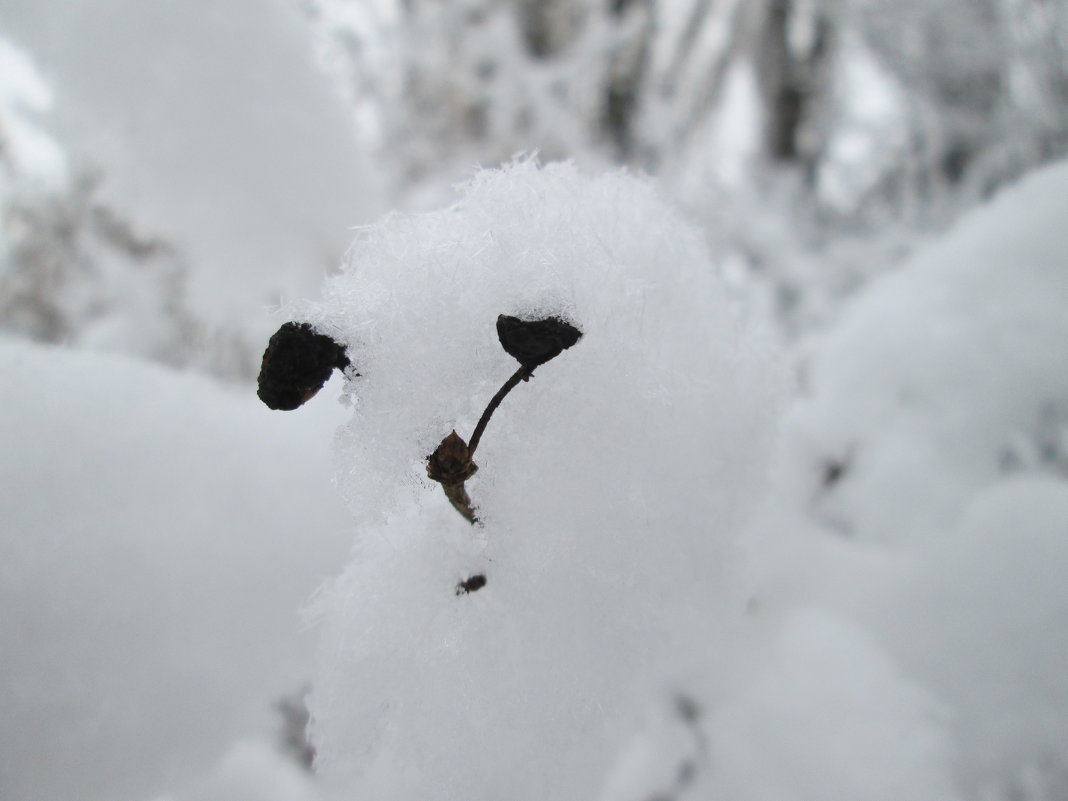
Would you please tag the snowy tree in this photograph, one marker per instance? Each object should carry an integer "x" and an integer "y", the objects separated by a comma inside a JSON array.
[
  {"x": 73, "y": 269},
  {"x": 814, "y": 141},
  {"x": 925, "y": 453},
  {"x": 77, "y": 273},
  {"x": 246, "y": 169}
]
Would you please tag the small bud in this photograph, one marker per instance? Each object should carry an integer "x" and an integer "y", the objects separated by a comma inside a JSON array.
[
  {"x": 296, "y": 364},
  {"x": 450, "y": 463}
]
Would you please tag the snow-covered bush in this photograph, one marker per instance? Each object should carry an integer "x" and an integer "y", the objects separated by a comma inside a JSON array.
[
  {"x": 923, "y": 488},
  {"x": 75, "y": 272},
  {"x": 157, "y": 536},
  {"x": 72, "y": 268},
  {"x": 945, "y": 376},
  {"x": 244, "y": 171},
  {"x": 611, "y": 488}
]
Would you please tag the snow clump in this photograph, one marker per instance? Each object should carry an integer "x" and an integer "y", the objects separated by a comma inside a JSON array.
[{"x": 611, "y": 487}]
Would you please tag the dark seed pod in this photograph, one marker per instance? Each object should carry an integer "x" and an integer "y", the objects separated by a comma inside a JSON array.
[
  {"x": 534, "y": 342},
  {"x": 296, "y": 364},
  {"x": 471, "y": 584}
]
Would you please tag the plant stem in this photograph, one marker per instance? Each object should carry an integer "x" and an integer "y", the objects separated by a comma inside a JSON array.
[
  {"x": 522, "y": 374},
  {"x": 461, "y": 501}
]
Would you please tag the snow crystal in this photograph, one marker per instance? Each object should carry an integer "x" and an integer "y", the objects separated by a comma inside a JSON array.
[{"x": 610, "y": 487}]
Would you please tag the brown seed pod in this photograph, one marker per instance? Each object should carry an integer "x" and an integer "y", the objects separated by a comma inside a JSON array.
[{"x": 534, "y": 342}]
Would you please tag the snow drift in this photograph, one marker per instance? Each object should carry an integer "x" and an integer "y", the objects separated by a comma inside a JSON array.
[{"x": 157, "y": 537}]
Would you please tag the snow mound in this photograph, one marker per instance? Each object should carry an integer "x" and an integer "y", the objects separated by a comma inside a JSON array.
[
  {"x": 981, "y": 623},
  {"x": 611, "y": 486},
  {"x": 828, "y": 717},
  {"x": 157, "y": 537},
  {"x": 944, "y": 376},
  {"x": 935, "y": 438},
  {"x": 251, "y": 770}
]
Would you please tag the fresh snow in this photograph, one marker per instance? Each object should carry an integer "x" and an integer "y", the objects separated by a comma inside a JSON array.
[
  {"x": 887, "y": 628},
  {"x": 922, "y": 486},
  {"x": 158, "y": 536},
  {"x": 882, "y": 619},
  {"x": 944, "y": 377},
  {"x": 611, "y": 487}
]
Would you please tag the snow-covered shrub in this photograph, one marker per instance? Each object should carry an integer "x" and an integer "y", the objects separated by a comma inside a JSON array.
[
  {"x": 73, "y": 269},
  {"x": 75, "y": 272},
  {"x": 610, "y": 490},
  {"x": 157, "y": 536},
  {"x": 945, "y": 376},
  {"x": 245, "y": 169},
  {"x": 924, "y": 492}
]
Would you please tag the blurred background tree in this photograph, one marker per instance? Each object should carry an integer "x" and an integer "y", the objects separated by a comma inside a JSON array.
[
  {"x": 835, "y": 131},
  {"x": 815, "y": 142}
]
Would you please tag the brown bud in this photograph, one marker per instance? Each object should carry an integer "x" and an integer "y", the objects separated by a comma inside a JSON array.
[{"x": 450, "y": 465}]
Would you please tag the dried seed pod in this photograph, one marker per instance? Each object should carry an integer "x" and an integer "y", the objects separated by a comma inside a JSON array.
[
  {"x": 534, "y": 342},
  {"x": 297, "y": 362},
  {"x": 472, "y": 584}
]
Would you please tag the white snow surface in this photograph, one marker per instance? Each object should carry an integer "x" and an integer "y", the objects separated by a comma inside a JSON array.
[
  {"x": 941, "y": 376},
  {"x": 940, "y": 399},
  {"x": 980, "y": 620},
  {"x": 889, "y": 626},
  {"x": 250, "y": 771},
  {"x": 612, "y": 486},
  {"x": 158, "y": 535},
  {"x": 919, "y": 656}
]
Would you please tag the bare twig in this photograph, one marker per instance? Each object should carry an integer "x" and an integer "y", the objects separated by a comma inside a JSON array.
[
  {"x": 532, "y": 343},
  {"x": 522, "y": 374}
]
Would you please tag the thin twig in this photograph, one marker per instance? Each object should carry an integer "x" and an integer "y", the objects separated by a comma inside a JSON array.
[{"x": 522, "y": 374}]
